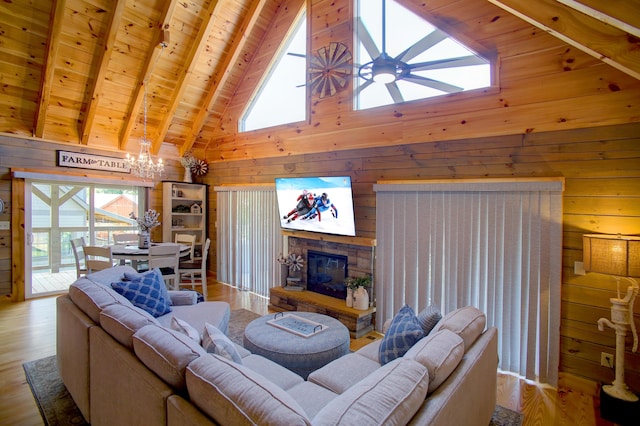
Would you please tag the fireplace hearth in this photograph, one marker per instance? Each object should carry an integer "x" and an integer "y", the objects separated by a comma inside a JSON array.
[{"x": 326, "y": 273}]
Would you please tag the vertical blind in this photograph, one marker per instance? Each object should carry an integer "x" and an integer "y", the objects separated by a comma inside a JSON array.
[
  {"x": 492, "y": 244},
  {"x": 249, "y": 237}
]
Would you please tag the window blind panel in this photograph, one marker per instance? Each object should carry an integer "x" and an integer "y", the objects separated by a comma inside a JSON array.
[
  {"x": 248, "y": 238},
  {"x": 497, "y": 248}
]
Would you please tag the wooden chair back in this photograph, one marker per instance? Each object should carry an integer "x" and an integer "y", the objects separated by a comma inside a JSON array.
[
  {"x": 77, "y": 245},
  {"x": 128, "y": 238},
  {"x": 187, "y": 239},
  {"x": 196, "y": 271},
  {"x": 97, "y": 258},
  {"x": 167, "y": 258}
]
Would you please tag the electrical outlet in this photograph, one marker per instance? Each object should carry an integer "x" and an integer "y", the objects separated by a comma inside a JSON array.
[{"x": 606, "y": 360}]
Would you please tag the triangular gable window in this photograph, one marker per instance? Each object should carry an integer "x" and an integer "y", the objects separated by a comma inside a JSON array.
[
  {"x": 281, "y": 96},
  {"x": 426, "y": 61}
]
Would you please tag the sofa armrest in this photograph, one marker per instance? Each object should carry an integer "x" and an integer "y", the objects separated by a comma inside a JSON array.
[{"x": 183, "y": 297}]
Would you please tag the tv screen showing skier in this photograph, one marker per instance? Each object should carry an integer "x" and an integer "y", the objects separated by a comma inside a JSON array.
[{"x": 316, "y": 204}]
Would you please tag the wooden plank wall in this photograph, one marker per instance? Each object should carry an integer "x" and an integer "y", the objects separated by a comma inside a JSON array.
[
  {"x": 35, "y": 155},
  {"x": 602, "y": 171}
]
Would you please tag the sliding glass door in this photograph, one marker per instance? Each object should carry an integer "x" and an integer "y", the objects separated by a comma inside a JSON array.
[{"x": 57, "y": 212}]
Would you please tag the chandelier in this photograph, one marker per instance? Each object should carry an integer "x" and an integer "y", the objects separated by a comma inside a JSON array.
[{"x": 143, "y": 165}]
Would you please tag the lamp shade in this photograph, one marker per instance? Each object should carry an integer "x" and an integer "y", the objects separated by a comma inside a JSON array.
[{"x": 616, "y": 255}]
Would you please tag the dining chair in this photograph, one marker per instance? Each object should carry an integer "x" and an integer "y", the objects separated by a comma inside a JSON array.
[
  {"x": 167, "y": 258},
  {"x": 128, "y": 238},
  {"x": 97, "y": 258},
  {"x": 196, "y": 270},
  {"x": 77, "y": 245},
  {"x": 189, "y": 240}
]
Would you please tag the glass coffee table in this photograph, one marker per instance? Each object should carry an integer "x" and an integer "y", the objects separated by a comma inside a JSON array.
[{"x": 300, "y": 352}]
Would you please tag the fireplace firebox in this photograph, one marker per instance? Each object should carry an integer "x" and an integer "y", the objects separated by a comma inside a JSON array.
[{"x": 326, "y": 273}]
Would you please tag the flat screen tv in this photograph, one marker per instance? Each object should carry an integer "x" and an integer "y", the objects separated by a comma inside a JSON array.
[{"x": 316, "y": 204}]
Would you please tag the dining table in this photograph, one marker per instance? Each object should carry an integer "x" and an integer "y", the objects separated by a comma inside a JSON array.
[{"x": 135, "y": 254}]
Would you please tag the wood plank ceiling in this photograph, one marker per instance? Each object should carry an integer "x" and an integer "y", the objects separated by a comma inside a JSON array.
[{"x": 74, "y": 71}]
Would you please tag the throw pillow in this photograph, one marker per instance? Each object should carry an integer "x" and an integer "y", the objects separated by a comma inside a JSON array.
[
  {"x": 428, "y": 318},
  {"x": 215, "y": 342},
  {"x": 404, "y": 332},
  {"x": 185, "y": 328},
  {"x": 146, "y": 291}
]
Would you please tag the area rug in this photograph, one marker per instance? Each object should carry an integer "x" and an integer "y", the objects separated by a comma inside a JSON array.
[{"x": 58, "y": 409}]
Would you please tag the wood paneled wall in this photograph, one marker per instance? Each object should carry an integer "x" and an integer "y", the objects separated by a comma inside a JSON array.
[
  {"x": 39, "y": 156},
  {"x": 602, "y": 171}
]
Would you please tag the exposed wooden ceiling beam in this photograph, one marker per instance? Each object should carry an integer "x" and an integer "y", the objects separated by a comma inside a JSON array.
[
  {"x": 102, "y": 67},
  {"x": 138, "y": 96},
  {"x": 594, "y": 37},
  {"x": 46, "y": 80},
  {"x": 624, "y": 15},
  {"x": 196, "y": 49},
  {"x": 239, "y": 42}
]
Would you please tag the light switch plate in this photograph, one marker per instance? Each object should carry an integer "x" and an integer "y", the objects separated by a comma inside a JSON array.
[
  {"x": 578, "y": 268},
  {"x": 5, "y": 224}
]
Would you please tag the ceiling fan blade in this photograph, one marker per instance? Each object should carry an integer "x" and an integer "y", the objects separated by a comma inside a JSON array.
[
  {"x": 364, "y": 85},
  {"x": 298, "y": 55},
  {"x": 420, "y": 46},
  {"x": 394, "y": 91},
  {"x": 463, "y": 61},
  {"x": 434, "y": 84},
  {"x": 367, "y": 41}
]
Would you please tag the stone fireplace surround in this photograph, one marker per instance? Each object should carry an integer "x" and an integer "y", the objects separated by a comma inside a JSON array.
[{"x": 360, "y": 254}]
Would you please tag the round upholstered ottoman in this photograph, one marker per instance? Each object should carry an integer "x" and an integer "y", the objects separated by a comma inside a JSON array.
[{"x": 302, "y": 355}]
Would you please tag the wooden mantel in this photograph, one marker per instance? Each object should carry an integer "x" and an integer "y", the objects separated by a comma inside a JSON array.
[{"x": 356, "y": 241}]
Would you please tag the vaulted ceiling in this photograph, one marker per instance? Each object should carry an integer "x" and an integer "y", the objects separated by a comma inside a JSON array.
[{"x": 75, "y": 71}]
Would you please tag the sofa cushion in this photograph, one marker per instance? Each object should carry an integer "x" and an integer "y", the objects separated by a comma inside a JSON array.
[
  {"x": 185, "y": 328},
  {"x": 232, "y": 394},
  {"x": 467, "y": 322},
  {"x": 344, "y": 372},
  {"x": 311, "y": 397},
  {"x": 403, "y": 332},
  {"x": 275, "y": 373},
  {"x": 109, "y": 275},
  {"x": 122, "y": 321},
  {"x": 215, "y": 342},
  {"x": 92, "y": 298},
  {"x": 166, "y": 352},
  {"x": 390, "y": 395},
  {"x": 216, "y": 313},
  {"x": 146, "y": 291},
  {"x": 440, "y": 352},
  {"x": 428, "y": 318}
]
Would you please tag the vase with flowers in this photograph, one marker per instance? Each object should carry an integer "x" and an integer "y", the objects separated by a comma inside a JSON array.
[
  {"x": 146, "y": 223},
  {"x": 188, "y": 161},
  {"x": 291, "y": 266},
  {"x": 357, "y": 296},
  {"x": 193, "y": 165}
]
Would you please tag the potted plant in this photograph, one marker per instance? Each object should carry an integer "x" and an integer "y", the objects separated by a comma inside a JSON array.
[{"x": 357, "y": 296}]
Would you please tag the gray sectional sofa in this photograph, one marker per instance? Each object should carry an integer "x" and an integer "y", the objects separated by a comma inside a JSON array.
[{"x": 123, "y": 366}]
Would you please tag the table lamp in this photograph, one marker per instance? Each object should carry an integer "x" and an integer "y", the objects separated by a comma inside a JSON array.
[{"x": 619, "y": 256}]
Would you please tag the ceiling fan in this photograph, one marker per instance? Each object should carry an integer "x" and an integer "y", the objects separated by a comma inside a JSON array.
[{"x": 388, "y": 70}]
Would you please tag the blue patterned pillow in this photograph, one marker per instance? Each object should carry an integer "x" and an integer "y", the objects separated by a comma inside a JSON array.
[
  {"x": 404, "y": 332},
  {"x": 146, "y": 291}
]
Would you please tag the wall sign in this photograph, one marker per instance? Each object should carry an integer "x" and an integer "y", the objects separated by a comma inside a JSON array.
[{"x": 91, "y": 161}]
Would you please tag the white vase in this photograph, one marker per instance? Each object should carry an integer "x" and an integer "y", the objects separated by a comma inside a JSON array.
[
  {"x": 361, "y": 299},
  {"x": 349, "y": 298},
  {"x": 187, "y": 175},
  {"x": 144, "y": 239}
]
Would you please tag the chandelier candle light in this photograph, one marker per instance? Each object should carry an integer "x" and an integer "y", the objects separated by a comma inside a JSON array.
[{"x": 143, "y": 166}]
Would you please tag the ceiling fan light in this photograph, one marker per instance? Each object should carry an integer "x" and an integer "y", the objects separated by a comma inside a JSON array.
[{"x": 383, "y": 70}]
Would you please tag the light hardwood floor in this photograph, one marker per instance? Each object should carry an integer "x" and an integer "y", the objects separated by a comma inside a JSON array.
[{"x": 27, "y": 332}]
